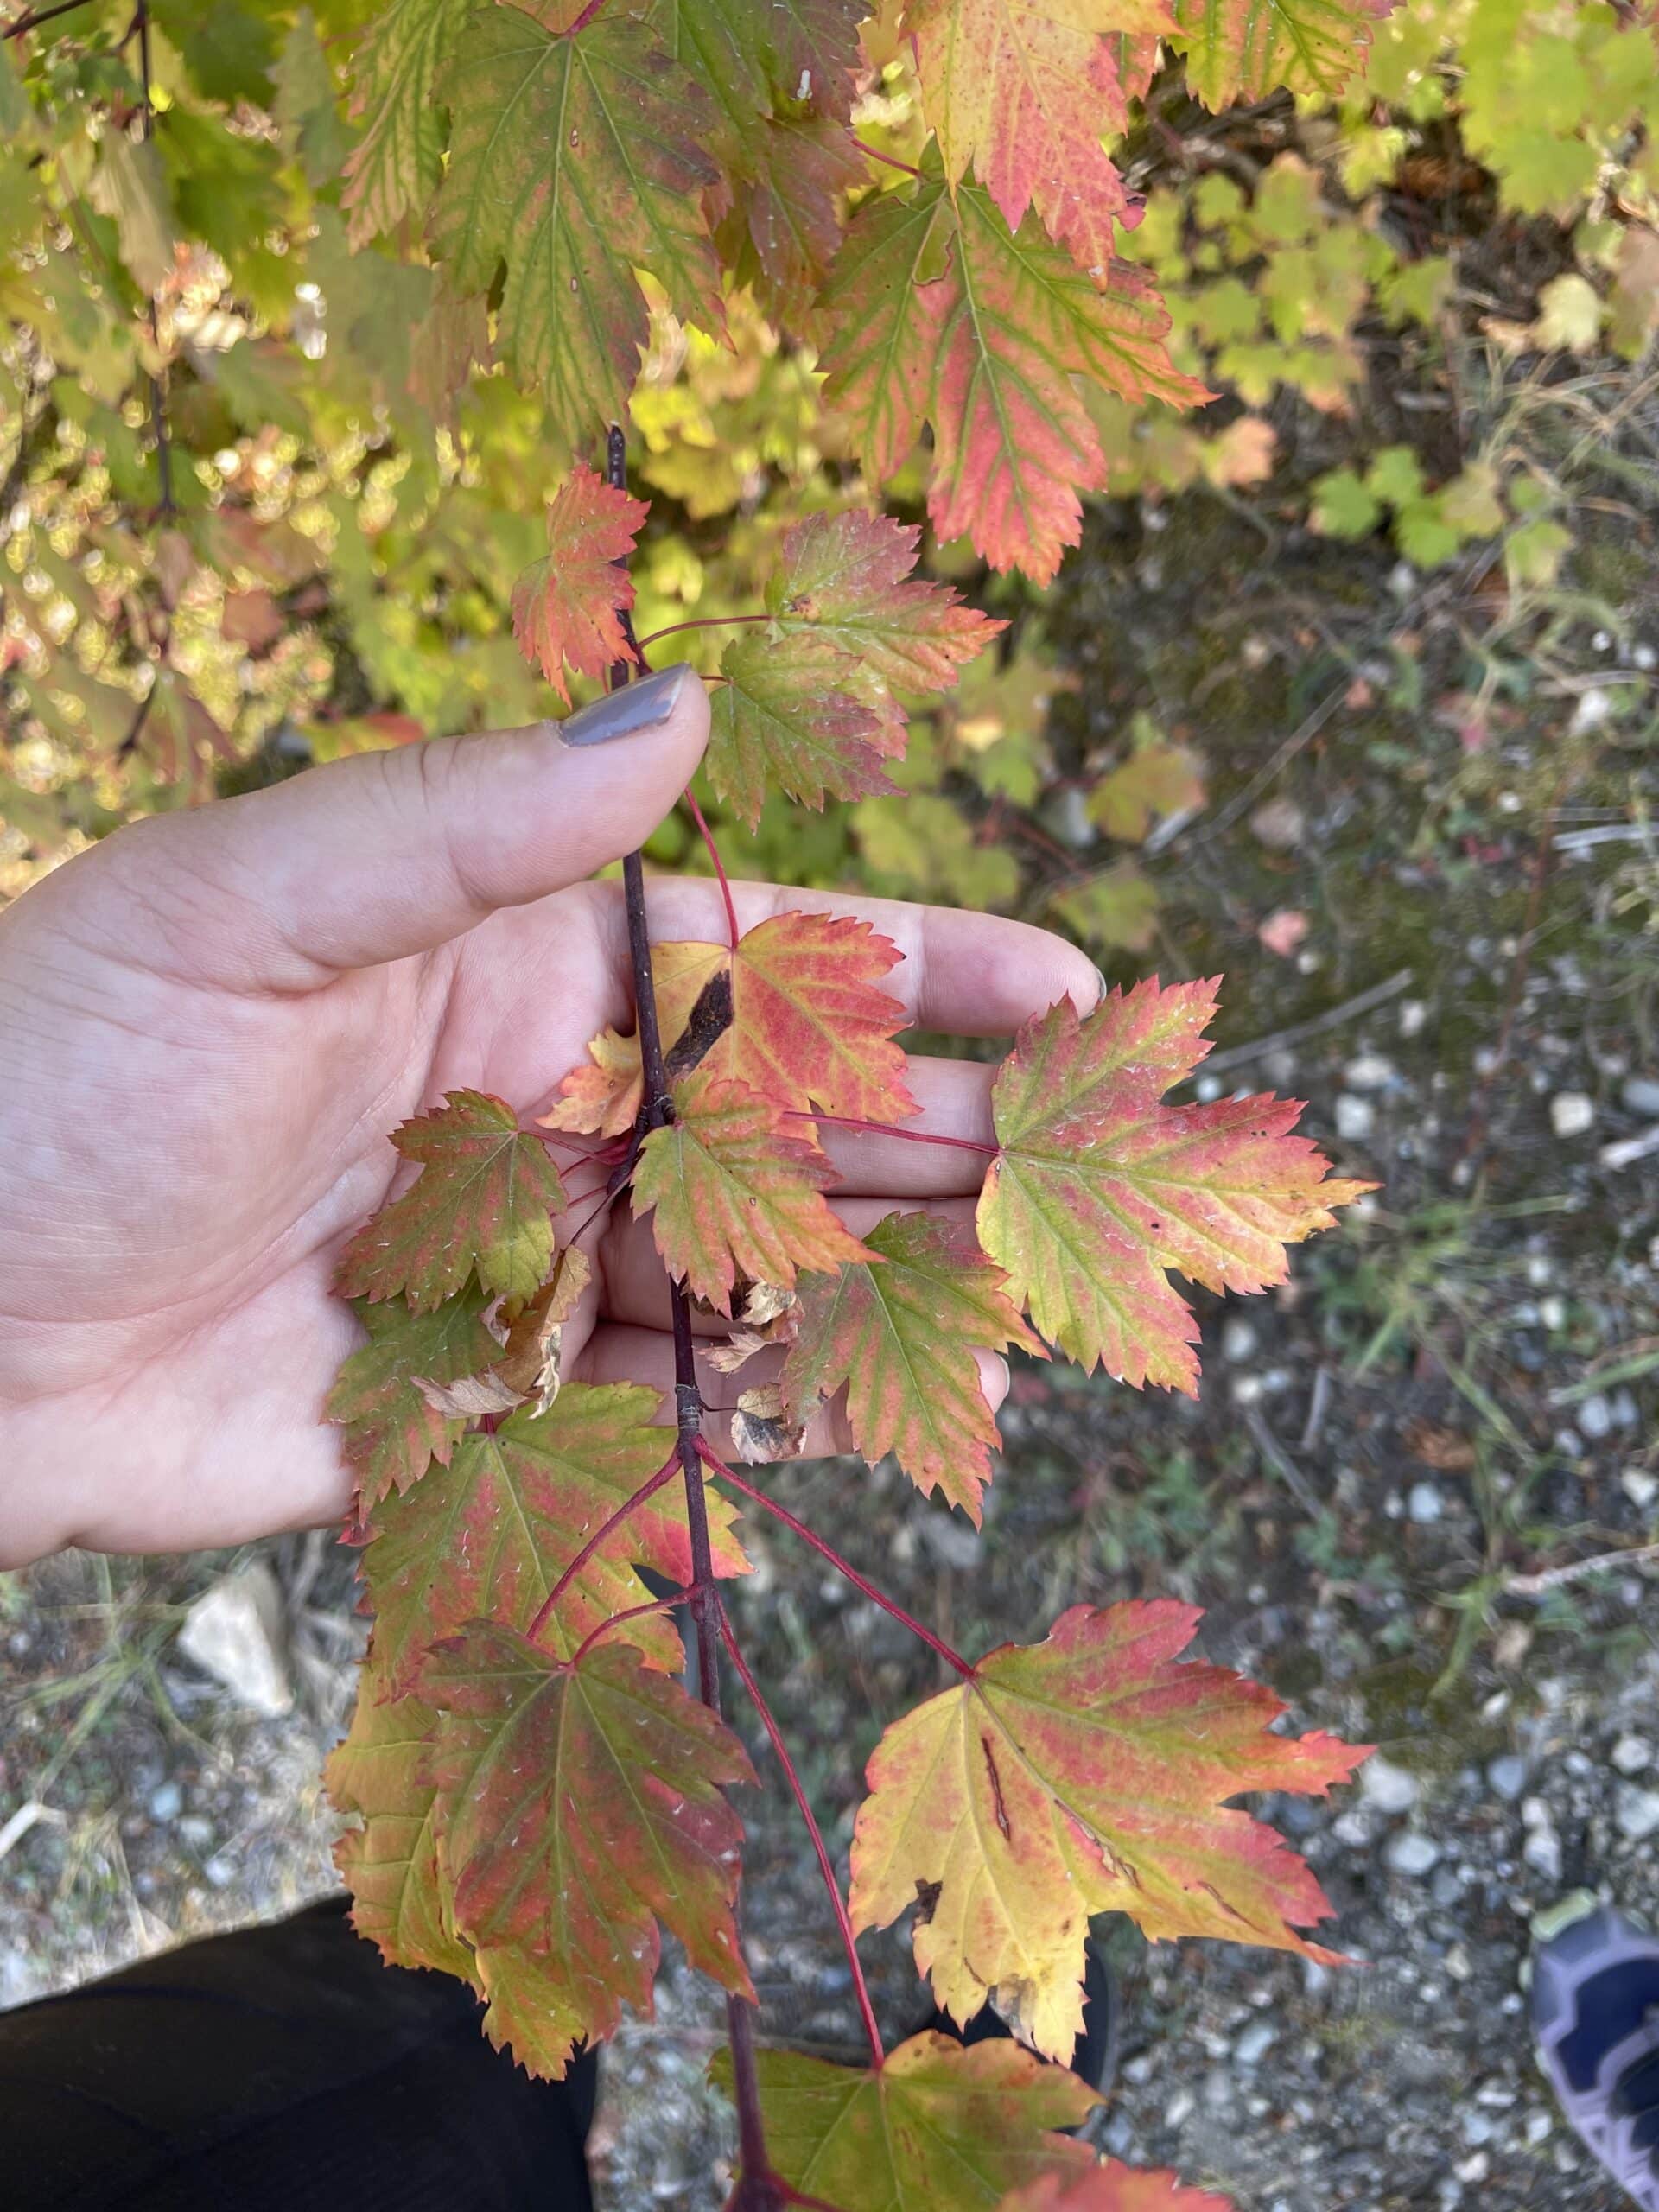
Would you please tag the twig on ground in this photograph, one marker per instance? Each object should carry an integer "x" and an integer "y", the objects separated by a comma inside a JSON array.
[{"x": 1298, "y": 1032}]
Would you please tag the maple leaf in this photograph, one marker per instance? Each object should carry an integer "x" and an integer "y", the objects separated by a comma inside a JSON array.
[
  {"x": 392, "y": 1431},
  {"x": 1110, "y": 2187},
  {"x": 1023, "y": 90},
  {"x": 575, "y": 160},
  {"x": 1244, "y": 49},
  {"x": 489, "y": 1533},
  {"x": 568, "y": 605},
  {"x": 941, "y": 313},
  {"x": 900, "y": 1336},
  {"x": 750, "y": 60},
  {"x": 579, "y": 1806},
  {"x": 1085, "y": 1773},
  {"x": 484, "y": 1199},
  {"x": 949, "y": 2127},
  {"x": 1156, "y": 779},
  {"x": 793, "y": 1013},
  {"x": 390, "y": 1863},
  {"x": 1098, "y": 1189},
  {"x": 733, "y": 1193},
  {"x": 790, "y": 210},
  {"x": 396, "y": 162},
  {"x": 785, "y": 716}
]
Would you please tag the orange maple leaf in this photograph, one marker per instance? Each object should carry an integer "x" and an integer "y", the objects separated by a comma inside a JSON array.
[{"x": 568, "y": 607}]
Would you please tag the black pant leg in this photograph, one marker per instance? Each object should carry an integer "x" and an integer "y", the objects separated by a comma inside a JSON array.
[{"x": 272, "y": 2070}]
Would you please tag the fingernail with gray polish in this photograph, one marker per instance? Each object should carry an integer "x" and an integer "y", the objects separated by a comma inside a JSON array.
[{"x": 630, "y": 709}]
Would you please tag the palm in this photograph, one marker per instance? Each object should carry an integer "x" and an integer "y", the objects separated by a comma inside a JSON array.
[{"x": 181, "y": 1155}]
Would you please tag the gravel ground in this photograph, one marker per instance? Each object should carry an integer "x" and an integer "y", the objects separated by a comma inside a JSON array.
[{"x": 1385, "y": 1496}]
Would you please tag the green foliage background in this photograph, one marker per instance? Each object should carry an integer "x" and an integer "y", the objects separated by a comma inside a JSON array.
[{"x": 333, "y": 569}]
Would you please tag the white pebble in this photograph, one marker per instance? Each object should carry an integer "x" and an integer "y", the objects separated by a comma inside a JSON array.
[
  {"x": 1412, "y": 1852},
  {"x": 1356, "y": 1118},
  {"x": 1390, "y": 1787},
  {"x": 1636, "y": 1812},
  {"x": 1595, "y": 1418},
  {"x": 1425, "y": 1504},
  {"x": 1239, "y": 1340},
  {"x": 1507, "y": 1776},
  {"x": 1369, "y": 1071},
  {"x": 1639, "y": 1486},
  {"x": 1632, "y": 1754},
  {"x": 1571, "y": 1113},
  {"x": 1255, "y": 2042}
]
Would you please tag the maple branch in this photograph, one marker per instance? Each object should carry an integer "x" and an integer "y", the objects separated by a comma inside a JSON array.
[
  {"x": 665, "y": 1473},
  {"x": 838, "y": 1903},
  {"x": 890, "y": 1129},
  {"x": 38, "y": 16},
  {"x": 842, "y": 1567},
  {"x": 720, "y": 868},
  {"x": 157, "y": 390},
  {"x": 699, "y": 622},
  {"x": 759, "y": 2191}
]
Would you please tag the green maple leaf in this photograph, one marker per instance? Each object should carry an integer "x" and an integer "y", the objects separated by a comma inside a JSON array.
[
  {"x": 898, "y": 1335},
  {"x": 389, "y": 1862},
  {"x": 1085, "y": 1774},
  {"x": 809, "y": 701},
  {"x": 392, "y": 1431},
  {"x": 1099, "y": 1189},
  {"x": 484, "y": 1199},
  {"x": 399, "y": 62},
  {"x": 941, "y": 313},
  {"x": 1245, "y": 49},
  {"x": 752, "y": 61},
  {"x": 575, "y": 161},
  {"x": 732, "y": 1191},
  {"x": 578, "y": 1806},
  {"x": 489, "y": 1534},
  {"x": 940, "y": 2126}
]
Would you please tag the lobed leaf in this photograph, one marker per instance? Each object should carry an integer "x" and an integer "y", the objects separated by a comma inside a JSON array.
[
  {"x": 391, "y": 1863},
  {"x": 1085, "y": 1773},
  {"x": 787, "y": 717},
  {"x": 568, "y": 605},
  {"x": 575, "y": 161},
  {"x": 732, "y": 1194},
  {"x": 489, "y": 1535},
  {"x": 941, "y": 2125},
  {"x": 899, "y": 1336},
  {"x": 579, "y": 1807},
  {"x": 1110, "y": 2187},
  {"x": 1023, "y": 89},
  {"x": 1098, "y": 1189},
  {"x": 793, "y": 1013},
  {"x": 393, "y": 1433},
  {"x": 941, "y": 314},
  {"x": 1246, "y": 49},
  {"x": 484, "y": 1200},
  {"x": 398, "y": 64}
]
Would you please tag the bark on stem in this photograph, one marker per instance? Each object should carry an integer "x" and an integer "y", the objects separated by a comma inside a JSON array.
[{"x": 757, "y": 2192}]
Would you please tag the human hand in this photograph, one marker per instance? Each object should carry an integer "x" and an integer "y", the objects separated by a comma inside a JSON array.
[{"x": 209, "y": 1024}]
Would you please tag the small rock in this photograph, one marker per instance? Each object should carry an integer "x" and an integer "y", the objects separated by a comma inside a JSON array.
[
  {"x": 1425, "y": 1503},
  {"x": 1369, "y": 1071},
  {"x": 1636, "y": 1812},
  {"x": 1255, "y": 2042},
  {"x": 196, "y": 1831},
  {"x": 1507, "y": 1776},
  {"x": 1412, "y": 1852},
  {"x": 1178, "y": 2109},
  {"x": 1639, "y": 1486},
  {"x": 1390, "y": 1787},
  {"x": 1552, "y": 1312},
  {"x": 952, "y": 1542},
  {"x": 1414, "y": 1015},
  {"x": 1640, "y": 1095},
  {"x": 166, "y": 1801},
  {"x": 1543, "y": 1852},
  {"x": 1356, "y": 1118},
  {"x": 1239, "y": 1340},
  {"x": 1278, "y": 824},
  {"x": 1632, "y": 1754},
  {"x": 220, "y": 1871},
  {"x": 1571, "y": 1113},
  {"x": 234, "y": 1633},
  {"x": 1596, "y": 1418}
]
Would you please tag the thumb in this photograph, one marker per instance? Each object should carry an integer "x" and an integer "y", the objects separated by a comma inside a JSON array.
[{"x": 390, "y": 853}]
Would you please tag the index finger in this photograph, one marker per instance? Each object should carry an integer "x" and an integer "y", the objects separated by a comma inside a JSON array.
[{"x": 965, "y": 975}]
